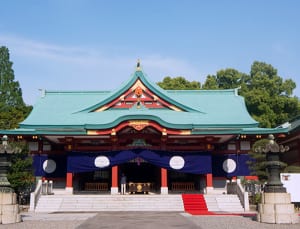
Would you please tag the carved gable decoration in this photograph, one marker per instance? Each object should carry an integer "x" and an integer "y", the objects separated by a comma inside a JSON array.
[
  {"x": 138, "y": 124},
  {"x": 138, "y": 95}
]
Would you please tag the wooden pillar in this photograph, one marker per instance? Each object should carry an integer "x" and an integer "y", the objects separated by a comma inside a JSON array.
[
  {"x": 114, "y": 180},
  {"x": 164, "y": 181},
  {"x": 69, "y": 182},
  {"x": 209, "y": 182}
]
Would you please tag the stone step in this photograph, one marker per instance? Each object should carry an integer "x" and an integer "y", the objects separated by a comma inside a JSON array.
[
  {"x": 90, "y": 203},
  {"x": 84, "y": 203},
  {"x": 224, "y": 203}
]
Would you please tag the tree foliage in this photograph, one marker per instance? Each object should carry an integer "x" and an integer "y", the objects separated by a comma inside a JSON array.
[
  {"x": 257, "y": 162},
  {"x": 20, "y": 172},
  {"x": 268, "y": 97},
  {"x": 12, "y": 107},
  {"x": 12, "y": 111},
  {"x": 210, "y": 83},
  {"x": 224, "y": 79},
  {"x": 178, "y": 83},
  {"x": 292, "y": 169}
]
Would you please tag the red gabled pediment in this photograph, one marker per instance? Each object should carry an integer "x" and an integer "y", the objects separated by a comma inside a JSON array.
[{"x": 138, "y": 95}]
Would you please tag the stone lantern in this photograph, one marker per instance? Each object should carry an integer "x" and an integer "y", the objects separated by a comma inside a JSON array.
[
  {"x": 8, "y": 203},
  {"x": 276, "y": 204}
]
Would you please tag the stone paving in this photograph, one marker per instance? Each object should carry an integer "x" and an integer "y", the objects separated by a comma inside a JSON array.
[{"x": 137, "y": 220}]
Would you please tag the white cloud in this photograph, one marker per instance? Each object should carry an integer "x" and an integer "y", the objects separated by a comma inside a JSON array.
[
  {"x": 84, "y": 56},
  {"x": 53, "y": 66}
]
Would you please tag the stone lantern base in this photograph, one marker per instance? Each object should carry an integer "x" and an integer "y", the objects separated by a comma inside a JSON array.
[
  {"x": 8, "y": 208},
  {"x": 277, "y": 208}
]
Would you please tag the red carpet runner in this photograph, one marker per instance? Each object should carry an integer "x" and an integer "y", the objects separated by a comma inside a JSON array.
[{"x": 195, "y": 204}]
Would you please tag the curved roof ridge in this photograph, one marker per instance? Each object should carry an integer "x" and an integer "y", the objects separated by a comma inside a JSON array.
[
  {"x": 74, "y": 92},
  {"x": 139, "y": 74},
  {"x": 232, "y": 91}
]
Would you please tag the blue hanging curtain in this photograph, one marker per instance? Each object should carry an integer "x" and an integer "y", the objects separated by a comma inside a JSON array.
[
  {"x": 59, "y": 170},
  {"x": 236, "y": 166},
  {"x": 85, "y": 162},
  {"x": 196, "y": 163}
]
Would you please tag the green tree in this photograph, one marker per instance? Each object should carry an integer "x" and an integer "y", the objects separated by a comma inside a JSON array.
[
  {"x": 210, "y": 83},
  {"x": 12, "y": 111},
  {"x": 258, "y": 160},
  {"x": 178, "y": 83},
  {"x": 292, "y": 169},
  {"x": 20, "y": 173},
  {"x": 12, "y": 107},
  {"x": 224, "y": 79},
  {"x": 268, "y": 97}
]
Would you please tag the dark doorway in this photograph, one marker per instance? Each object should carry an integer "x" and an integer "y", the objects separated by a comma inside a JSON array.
[
  {"x": 142, "y": 172},
  {"x": 92, "y": 182},
  {"x": 185, "y": 183}
]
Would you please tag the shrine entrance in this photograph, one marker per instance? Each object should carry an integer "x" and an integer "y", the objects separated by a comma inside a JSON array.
[
  {"x": 179, "y": 182},
  {"x": 147, "y": 171},
  {"x": 95, "y": 182},
  {"x": 142, "y": 177}
]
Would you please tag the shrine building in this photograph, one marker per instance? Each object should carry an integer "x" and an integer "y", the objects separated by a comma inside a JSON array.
[{"x": 170, "y": 140}]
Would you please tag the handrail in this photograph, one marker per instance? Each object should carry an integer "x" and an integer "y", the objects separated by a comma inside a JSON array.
[
  {"x": 243, "y": 195},
  {"x": 237, "y": 188},
  {"x": 35, "y": 196}
]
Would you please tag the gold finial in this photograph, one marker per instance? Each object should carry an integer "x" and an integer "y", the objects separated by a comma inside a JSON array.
[{"x": 138, "y": 65}]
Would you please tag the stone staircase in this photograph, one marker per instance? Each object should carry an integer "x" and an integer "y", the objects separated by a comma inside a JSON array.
[
  {"x": 223, "y": 203},
  {"x": 97, "y": 203}
]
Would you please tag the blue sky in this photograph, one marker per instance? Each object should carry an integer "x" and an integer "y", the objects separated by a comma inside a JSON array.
[{"x": 94, "y": 44}]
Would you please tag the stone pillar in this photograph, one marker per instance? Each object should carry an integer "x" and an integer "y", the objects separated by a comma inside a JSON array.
[
  {"x": 277, "y": 208},
  {"x": 164, "y": 181},
  {"x": 209, "y": 183},
  {"x": 69, "y": 183},
  {"x": 10, "y": 208},
  {"x": 114, "y": 180}
]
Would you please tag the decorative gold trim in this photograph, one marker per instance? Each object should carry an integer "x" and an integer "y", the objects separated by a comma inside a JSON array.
[
  {"x": 164, "y": 132},
  {"x": 138, "y": 124},
  {"x": 92, "y": 132},
  {"x": 185, "y": 132},
  {"x": 101, "y": 109},
  {"x": 175, "y": 108},
  {"x": 113, "y": 132},
  {"x": 138, "y": 83}
]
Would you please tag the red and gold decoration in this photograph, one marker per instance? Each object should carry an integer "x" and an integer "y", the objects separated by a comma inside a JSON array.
[
  {"x": 138, "y": 92},
  {"x": 138, "y": 124}
]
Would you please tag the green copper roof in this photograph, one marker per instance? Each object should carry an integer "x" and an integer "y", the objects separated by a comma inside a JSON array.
[
  {"x": 126, "y": 85},
  {"x": 208, "y": 111}
]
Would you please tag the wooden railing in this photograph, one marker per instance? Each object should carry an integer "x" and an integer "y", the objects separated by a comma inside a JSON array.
[
  {"x": 96, "y": 186},
  {"x": 183, "y": 186}
]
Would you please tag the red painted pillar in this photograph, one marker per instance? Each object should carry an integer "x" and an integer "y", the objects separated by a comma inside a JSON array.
[
  {"x": 209, "y": 182},
  {"x": 69, "y": 182},
  {"x": 164, "y": 181},
  {"x": 164, "y": 178},
  {"x": 114, "y": 180}
]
